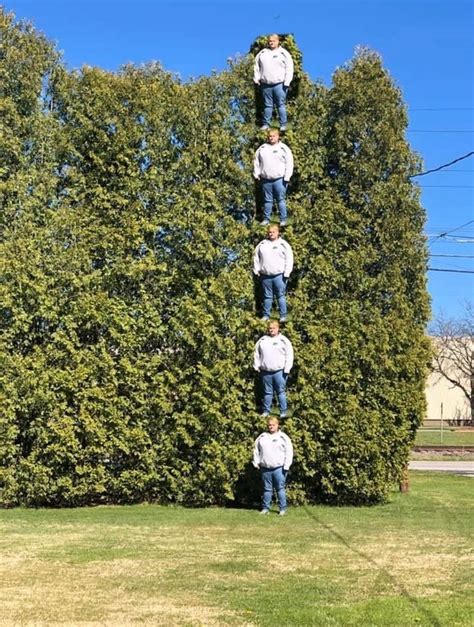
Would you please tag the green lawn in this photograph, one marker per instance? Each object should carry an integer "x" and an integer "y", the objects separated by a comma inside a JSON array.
[
  {"x": 447, "y": 437},
  {"x": 442, "y": 456},
  {"x": 405, "y": 563}
]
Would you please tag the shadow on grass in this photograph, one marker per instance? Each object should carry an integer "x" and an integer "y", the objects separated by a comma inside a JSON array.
[
  {"x": 248, "y": 490},
  {"x": 404, "y": 592}
]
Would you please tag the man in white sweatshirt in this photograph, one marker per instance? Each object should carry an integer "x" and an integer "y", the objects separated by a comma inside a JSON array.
[
  {"x": 273, "y": 263},
  {"x": 273, "y": 72},
  {"x": 273, "y": 167},
  {"x": 273, "y": 455},
  {"x": 273, "y": 359}
]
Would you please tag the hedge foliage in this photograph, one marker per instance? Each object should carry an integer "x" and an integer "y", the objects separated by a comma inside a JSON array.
[{"x": 127, "y": 300}]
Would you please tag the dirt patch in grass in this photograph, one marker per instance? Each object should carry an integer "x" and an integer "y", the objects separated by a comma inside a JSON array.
[{"x": 113, "y": 594}]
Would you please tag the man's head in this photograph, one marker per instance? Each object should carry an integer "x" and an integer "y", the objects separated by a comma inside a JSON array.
[
  {"x": 273, "y": 41},
  {"x": 273, "y": 328},
  {"x": 272, "y": 425},
  {"x": 273, "y": 232},
  {"x": 273, "y": 136}
]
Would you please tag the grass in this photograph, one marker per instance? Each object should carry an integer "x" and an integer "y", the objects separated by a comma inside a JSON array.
[
  {"x": 442, "y": 457},
  {"x": 448, "y": 437},
  {"x": 405, "y": 563}
]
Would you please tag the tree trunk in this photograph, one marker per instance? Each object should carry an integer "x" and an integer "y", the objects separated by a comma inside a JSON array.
[{"x": 404, "y": 483}]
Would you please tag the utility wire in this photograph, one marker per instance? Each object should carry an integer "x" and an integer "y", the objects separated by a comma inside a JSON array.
[
  {"x": 446, "y": 211},
  {"x": 450, "y": 186},
  {"x": 436, "y": 232},
  {"x": 460, "y": 238},
  {"x": 436, "y": 130},
  {"x": 445, "y": 165},
  {"x": 453, "y": 256},
  {"x": 445, "y": 109},
  {"x": 448, "y": 238},
  {"x": 456, "y": 240},
  {"x": 435, "y": 237},
  {"x": 449, "y": 270}
]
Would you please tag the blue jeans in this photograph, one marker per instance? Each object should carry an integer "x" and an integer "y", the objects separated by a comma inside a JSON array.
[
  {"x": 274, "y": 189},
  {"x": 273, "y": 478},
  {"x": 274, "y": 95},
  {"x": 274, "y": 381},
  {"x": 274, "y": 286}
]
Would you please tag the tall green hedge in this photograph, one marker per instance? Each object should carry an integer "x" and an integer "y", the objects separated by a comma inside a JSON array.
[{"x": 127, "y": 300}]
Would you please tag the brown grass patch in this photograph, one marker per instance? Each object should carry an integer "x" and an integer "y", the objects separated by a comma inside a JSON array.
[{"x": 110, "y": 594}]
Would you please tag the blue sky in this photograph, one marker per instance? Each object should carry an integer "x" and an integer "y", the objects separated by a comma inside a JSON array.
[{"x": 427, "y": 45}]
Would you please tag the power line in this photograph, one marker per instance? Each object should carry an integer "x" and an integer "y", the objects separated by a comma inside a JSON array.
[
  {"x": 436, "y": 130},
  {"x": 451, "y": 186},
  {"x": 445, "y": 109},
  {"x": 456, "y": 240},
  {"x": 457, "y": 228},
  {"x": 461, "y": 237},
  {"x": 445, "y": 165},
  {"x": 446, "y": 211},
  {"x": 465, "y": 233},
  {"x": 453, "y": 256},
  {"x": 443, "y": 229},
  {"x": 449, "y": 270},
  {"x": 447, "y": 240}
]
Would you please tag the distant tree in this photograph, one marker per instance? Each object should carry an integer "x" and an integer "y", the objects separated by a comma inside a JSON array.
[{"x": 453, "y": 340}]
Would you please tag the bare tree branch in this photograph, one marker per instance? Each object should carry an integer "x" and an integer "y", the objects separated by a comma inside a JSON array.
[{"x": 454, "y": 351}]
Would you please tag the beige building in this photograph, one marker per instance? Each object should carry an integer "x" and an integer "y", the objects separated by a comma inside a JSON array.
[{"x": 443, "y": 398}]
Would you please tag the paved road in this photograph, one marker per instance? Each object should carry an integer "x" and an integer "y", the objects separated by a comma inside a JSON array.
[{"x": 460, "y": 468}]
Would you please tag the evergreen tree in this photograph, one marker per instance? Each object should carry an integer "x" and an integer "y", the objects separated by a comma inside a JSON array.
[
  {"x": 361, "y": 304},
  {"x": 27, "y": 196},
  {"x": 128, "y": 314}
]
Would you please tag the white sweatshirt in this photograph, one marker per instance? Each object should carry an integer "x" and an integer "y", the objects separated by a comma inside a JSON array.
[
  {"x": 273, "y": 450},
  {"x": 273, "y": 66},
  {"x": 273, "y": 353},
  {"x": 273, "y": 161},
  {"x": 273, "y": 258}
]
